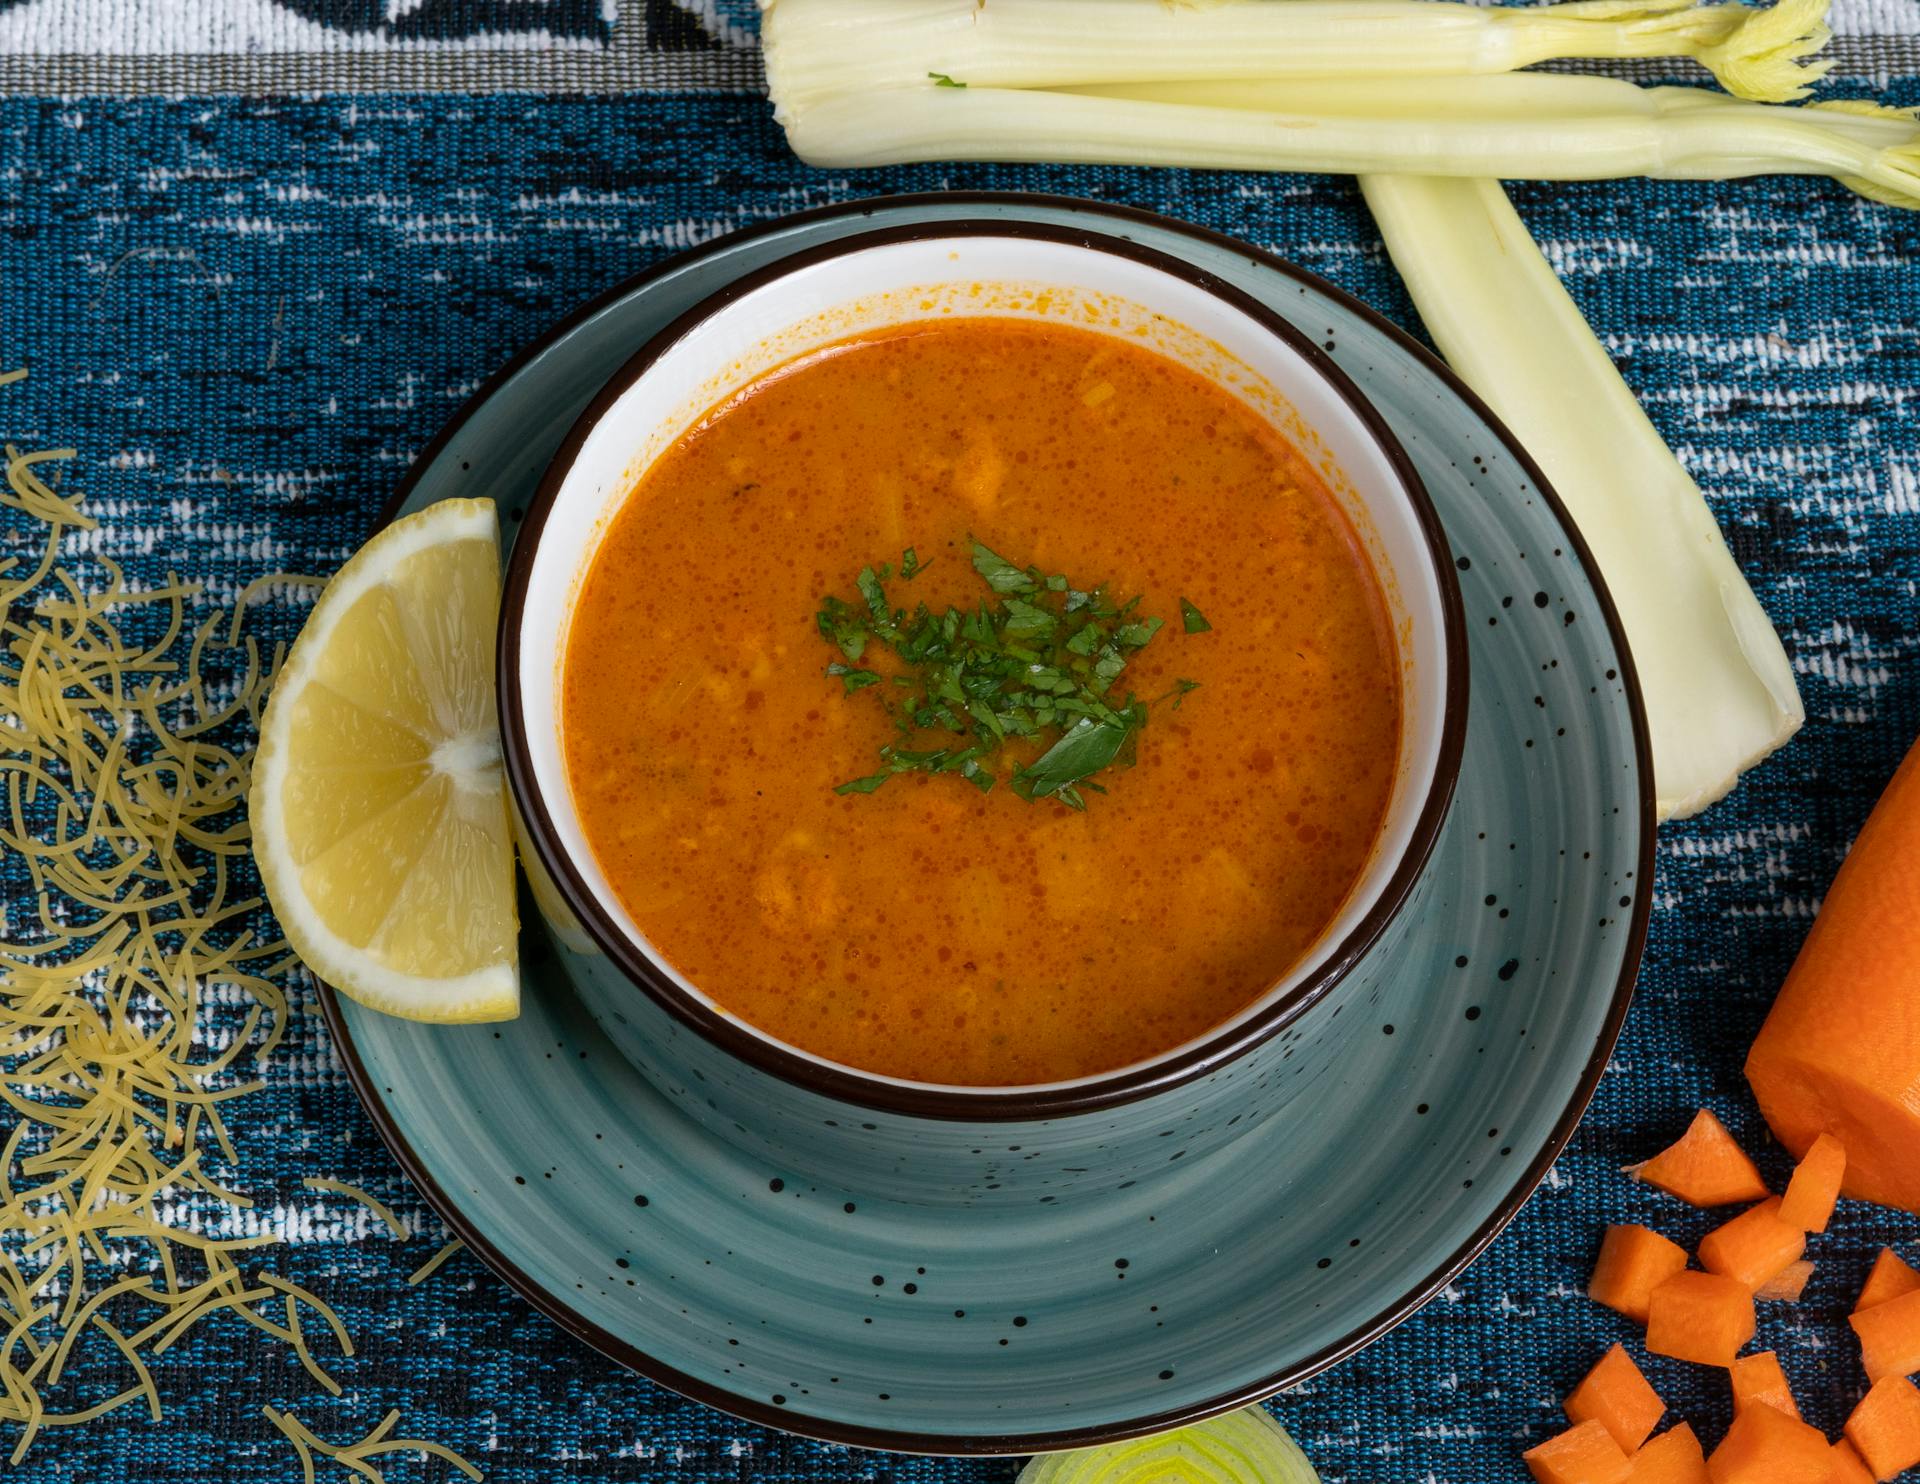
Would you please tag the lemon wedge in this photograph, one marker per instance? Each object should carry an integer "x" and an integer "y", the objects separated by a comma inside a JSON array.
[{"x": 380, "y": 818}]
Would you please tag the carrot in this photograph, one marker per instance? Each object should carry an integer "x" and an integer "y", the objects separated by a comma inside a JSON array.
[
  {"x": 1754, "y": 1247},
  {"x": 1788, "y": 1284},
  {"x": 1617, "y": 1396},
  {"x": 1704, "y": 1167},
  {"x": 1633, "y": 1262},
  {"x": 1586, "y": 1454},
  {"x": 1889, "y": 1279},
  {"x": 1675, "y": 1457},
  {"x": 1840, "y": 1051},
  {"x": 1758, "y": 1381},
  {"x": 1765, "y": 1446},
  {"x": 1885, "y": 1428},
  {"x": 1847, "y": 1467},
  {"x": 1815, "y": 1186},
  {"x": 1889, "y": 1337},
  {"x": 1701, "y": 1317}
]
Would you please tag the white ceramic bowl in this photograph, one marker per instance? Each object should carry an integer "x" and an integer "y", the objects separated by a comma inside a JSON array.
[{"x": 886, "y": 279}]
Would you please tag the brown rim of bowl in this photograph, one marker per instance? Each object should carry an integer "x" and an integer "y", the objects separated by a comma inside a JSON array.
[
  {"x": 1443, "y": 1273},
  {"x": 989, "y": 1104}
]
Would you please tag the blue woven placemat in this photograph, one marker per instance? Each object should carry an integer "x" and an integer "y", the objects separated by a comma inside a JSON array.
[{"x": 251, "y": 308}]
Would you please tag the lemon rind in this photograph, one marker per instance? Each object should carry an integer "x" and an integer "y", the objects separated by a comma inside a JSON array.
[{"x": 488, "y": 993}]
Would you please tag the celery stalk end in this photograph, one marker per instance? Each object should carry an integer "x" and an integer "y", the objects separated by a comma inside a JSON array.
[{"x": 1717, "y": 684}]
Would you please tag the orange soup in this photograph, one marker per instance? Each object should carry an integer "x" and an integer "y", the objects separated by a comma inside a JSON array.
[{"x": 868, "y": 827}]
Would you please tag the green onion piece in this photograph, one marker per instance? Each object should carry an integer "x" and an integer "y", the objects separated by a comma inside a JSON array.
[
  {"x": 1719, "y": 689},
  {"x": 863, "y": 46},
  {"x": 1246, "y": 1447}
]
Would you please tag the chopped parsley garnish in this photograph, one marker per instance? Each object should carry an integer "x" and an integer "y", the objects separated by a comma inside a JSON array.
[
  {"x": 1036, "y": 664},
  {"x": 941, "y": 80},
  {"x": 1193, "y": 618}
]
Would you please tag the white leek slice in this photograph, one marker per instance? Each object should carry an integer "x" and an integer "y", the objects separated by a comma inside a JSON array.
[
  {"x": 816, "y": 47},
  {"x": 1719, "y": 689},
  {"x": 1246, "y": 1447},
  {"x": 1526, "y": 126}
]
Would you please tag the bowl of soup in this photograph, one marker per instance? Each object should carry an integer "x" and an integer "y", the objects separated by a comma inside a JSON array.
[{"x": 978, "y": 699}]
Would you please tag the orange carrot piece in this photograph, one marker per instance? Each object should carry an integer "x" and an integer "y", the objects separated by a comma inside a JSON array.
[
  {"x": 1701, "y": 1317},
  {"x": 1840, "y": 1051},
  {"x": 1617, "y": 1396},
  {"x": 1815, "y": 1186},
  {"x": 1586, "y": 1454},
  {"x": 1705, "y": 1167},
  {"x": 1847, "y": 1467},
  {"x": 1633, "y": 1262},
  {"x": 1675, "y": 1457},
  {"x": 1758, "y": 1381},
  {"x": 1889, "y": 1337},
  {"x": 1766, "y": 1446},
  {"x": 1889, "y": 1279},
  {"x": 1788, "y": 1284},
  {"x": 1885, "y": 1428},
  {"x": 1753, "y": 1247}
]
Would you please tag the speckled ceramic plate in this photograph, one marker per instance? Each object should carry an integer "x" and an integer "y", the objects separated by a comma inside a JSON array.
[{"x": 952, "y": 1331}]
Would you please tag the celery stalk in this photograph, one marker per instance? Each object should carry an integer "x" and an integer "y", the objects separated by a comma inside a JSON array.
[
  {"x": 1530, "y": 126},
  {"x": 831, "y": 46},
  {"x": 1719, "y": 689}
]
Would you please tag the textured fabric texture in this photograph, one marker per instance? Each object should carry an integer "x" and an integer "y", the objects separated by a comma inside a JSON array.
[{"x": 251, "y": 312}]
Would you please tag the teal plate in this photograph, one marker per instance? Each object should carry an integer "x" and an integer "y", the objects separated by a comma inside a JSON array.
[{"x": 825, "y": 1312}]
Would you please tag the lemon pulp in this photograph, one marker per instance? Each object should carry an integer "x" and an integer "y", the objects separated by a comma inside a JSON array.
[{"x": 379, "y": 809}]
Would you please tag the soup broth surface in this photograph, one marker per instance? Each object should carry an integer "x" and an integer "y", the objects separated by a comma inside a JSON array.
[{"x": 927, "y": 930}]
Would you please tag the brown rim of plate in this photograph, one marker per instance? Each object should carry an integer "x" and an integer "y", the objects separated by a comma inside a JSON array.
[
  {"x": 1456, "y": 1262},
  {"x": 1203, "y": 1054}
]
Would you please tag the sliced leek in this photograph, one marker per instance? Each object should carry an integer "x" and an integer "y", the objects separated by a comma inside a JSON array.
[
  {"x": 817, "y": 47},
  {"x": 1719, "y": 689},
  {"x": 1246, "y": 1447},
  {"x": 1529, "y": 126}
]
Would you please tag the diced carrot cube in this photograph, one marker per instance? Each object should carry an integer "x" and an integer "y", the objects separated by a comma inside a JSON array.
[
  {"x": 1787, "y": 1284},
  {"x": 1889, "y": 1279},
  {"x": 1701, "y": 1317},
  {"x": 1759, "y": 1381},
  {"x": 1815, "y": 1186},
  {"x": 1890, "y": 1336},
  {"x": 1675, "y": 1457},
  {"x": 1847, "y": 1467},
  {"x": 1633, "y": 1262},
  {"x": 1705, "y": 1167},
  {"x": 1753, "y": 1247},
  {"x": 1766, "y": 1446},
  {"x": 1617, "y": 1396},
  {"x": 1885, "y": 1428},
  {"x": 1586, "y": 1454}
]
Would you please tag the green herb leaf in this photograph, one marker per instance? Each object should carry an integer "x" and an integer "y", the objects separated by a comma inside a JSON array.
[
  {"x": 853, "y": 679},
  {"x": 1193, "y": 618},
  {"x": 941, "y": 80},
  {"x": 1001, "y": 575},
  {"x": 1087, "y": 747},
  {"x": 1024, "y": 619},
  {"x": 843, "y": 626},
  {"x": 876, "y": 595},
  {"x": 1035, "y": 663}
]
